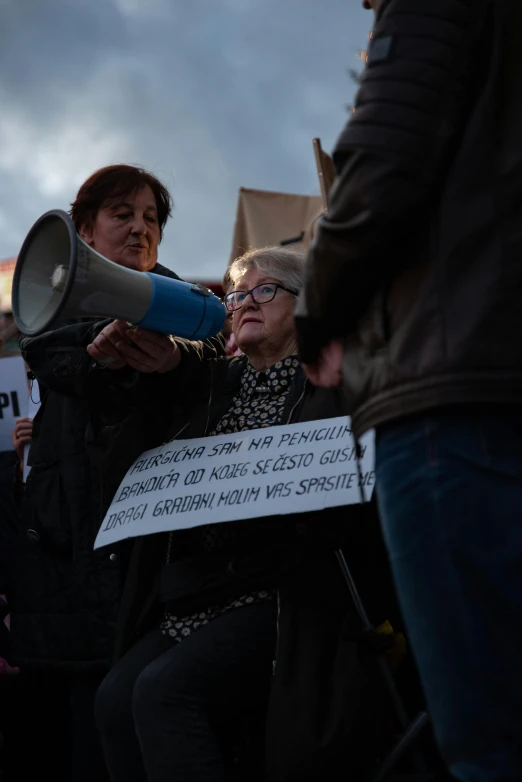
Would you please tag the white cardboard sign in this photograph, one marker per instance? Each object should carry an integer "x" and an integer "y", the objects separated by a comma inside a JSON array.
[
  {"x": 262, "y": 472},
  {"x": 14, "y": 392},
  {"x": 32, "y": 408}
]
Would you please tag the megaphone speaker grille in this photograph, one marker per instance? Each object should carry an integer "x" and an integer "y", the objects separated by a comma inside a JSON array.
[{"x": 44, "y": 272}]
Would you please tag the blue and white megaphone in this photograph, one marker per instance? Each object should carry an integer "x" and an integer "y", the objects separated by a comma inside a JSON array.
[{"x": 57, "y": 275}]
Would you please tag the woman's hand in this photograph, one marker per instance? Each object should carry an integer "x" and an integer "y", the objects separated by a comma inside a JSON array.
[
  {"x": 120, "y": 345},
  {"x": 151, "y": 352},
  {"x": 328, "y": 371},
  {"x": 22, "y": 436},
  {"x": 104, "y": 348}
]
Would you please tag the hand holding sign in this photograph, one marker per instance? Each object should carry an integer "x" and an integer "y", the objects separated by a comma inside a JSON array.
[{"x": 22, "y": 435}]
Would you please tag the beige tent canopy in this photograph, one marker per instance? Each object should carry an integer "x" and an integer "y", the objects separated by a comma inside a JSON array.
[{"x": 265, "y": 218}]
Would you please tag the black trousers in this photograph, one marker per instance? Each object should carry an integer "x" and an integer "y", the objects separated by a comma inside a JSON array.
[{"x": 167, "y": 710}]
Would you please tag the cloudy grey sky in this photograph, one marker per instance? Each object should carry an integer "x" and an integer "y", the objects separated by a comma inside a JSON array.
[{"x": 211, "y": 95}]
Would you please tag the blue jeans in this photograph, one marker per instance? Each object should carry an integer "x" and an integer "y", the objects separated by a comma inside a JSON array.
[{"x": 449, "y": 487}]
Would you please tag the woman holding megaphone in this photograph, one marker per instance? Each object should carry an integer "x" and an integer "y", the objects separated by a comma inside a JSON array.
[{"x": 66, "y": 596}]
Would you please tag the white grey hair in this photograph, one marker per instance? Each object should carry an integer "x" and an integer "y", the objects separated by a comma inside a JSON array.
[{"x": 282, "y": 264}]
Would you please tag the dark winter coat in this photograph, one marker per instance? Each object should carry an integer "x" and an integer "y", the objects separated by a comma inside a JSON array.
[
  {"x": 319, "y": 628},
  {"x": 65, "y": 597},
  {"x": 10, "y": 487},
  {"x": 191, "y": 407},
  {"x": 417, "y": 263}
]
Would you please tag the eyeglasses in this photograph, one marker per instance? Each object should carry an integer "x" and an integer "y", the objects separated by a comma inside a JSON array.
[{"x": 261, "y": 294}]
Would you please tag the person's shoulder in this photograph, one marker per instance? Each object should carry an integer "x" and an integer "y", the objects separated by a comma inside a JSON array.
[
  {"x": 237, "y": 361},
  {"x": 164, "y": 272},
  {"x": 227, "y": 370},
  {"x": 322, "y": 403},
  {"x": 231, "y": 365}
]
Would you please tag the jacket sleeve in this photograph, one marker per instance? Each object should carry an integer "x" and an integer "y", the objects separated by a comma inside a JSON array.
[
  {"x": 60, "y": 362},
  {"x": 59, "y": 358},
  {"x": 192, "y": 353},
  {"x": 415, "y": 94}
]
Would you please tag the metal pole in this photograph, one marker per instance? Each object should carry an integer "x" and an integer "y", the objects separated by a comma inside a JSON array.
[{"x": 383, "y": 667}]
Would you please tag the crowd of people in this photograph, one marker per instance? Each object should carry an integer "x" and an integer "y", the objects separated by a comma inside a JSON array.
[{"x": 235, "y": 651}]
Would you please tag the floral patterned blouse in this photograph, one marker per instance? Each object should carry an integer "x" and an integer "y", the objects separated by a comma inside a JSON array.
[{"x": 259, "y": 403}]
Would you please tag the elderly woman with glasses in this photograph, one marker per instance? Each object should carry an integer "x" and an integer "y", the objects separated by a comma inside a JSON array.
[{"x": 197, "y": 631}]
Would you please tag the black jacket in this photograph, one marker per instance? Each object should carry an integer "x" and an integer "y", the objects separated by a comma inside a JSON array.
[
  {"x": 312, "y": 714},
  {"x": 417, "y": 263},
  {"x": 65, "y": 596},
  {"x": 190, "y": 406}
]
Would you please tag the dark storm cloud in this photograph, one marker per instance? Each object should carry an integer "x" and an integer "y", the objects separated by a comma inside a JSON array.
[
  {"x": 47, "y": 46},
  {"x": 210, "y": 94}
]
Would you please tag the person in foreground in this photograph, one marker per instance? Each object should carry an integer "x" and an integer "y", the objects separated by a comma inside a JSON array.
[
  {"x": 65, "y": 596},
  {"x": 197, "y": 630},
  {"x": 414, "y": 296}
]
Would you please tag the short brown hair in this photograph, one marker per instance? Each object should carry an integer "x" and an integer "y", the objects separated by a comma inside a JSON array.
[{"x": 114, "y": 182}]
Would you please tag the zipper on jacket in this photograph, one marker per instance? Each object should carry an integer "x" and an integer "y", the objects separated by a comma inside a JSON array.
[
  {"x": 292, "y": 411},
  {"x": 209, "y": 399},
  {"x": 177, "y": 434}
]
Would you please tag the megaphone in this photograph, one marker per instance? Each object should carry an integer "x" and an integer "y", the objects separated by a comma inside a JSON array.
[{"x": 58, "y": 275}]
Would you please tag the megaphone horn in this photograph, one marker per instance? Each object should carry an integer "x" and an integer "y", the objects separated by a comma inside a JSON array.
[{"x": 57, "y": 275}]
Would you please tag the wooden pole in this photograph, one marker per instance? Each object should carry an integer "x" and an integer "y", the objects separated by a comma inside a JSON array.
[{"x": 319, "y": 162}]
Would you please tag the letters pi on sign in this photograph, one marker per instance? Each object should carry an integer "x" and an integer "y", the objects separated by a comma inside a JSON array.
[
  {"x": 263, "y": 472},
  {"x": 14, "y": 393}
]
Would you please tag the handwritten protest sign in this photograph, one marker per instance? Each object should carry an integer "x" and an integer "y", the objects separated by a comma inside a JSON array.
[
  {"x": 262, "y": 472},
  {"x": 14, "y": 392}
]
